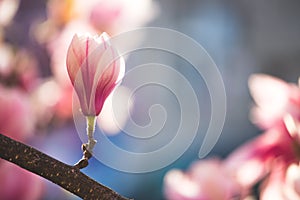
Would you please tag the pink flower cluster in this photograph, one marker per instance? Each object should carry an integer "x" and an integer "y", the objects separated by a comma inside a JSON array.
[{"x": 270, "y": 160}]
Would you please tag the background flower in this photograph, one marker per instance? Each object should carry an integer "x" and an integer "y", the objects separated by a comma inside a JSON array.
[
  {"x": 16, "y": 116},
  {"x": 207, "y": 180},
  {"x": 17, "y": 183}
]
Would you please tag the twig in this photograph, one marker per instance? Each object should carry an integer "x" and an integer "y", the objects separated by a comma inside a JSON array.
[{"x": 66, "y": 176}]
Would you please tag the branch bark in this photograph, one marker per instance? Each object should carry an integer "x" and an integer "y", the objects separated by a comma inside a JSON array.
[{"x": 68, "y": 177}]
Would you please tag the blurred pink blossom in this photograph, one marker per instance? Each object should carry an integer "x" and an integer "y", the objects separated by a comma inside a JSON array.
[
  {"x": 6, "y": 58},
  {"x": 204, "y": 180},
  {"x": 17, "y": 68},
  {"x": 17, "y": 183},
  {"x": 17, "y": 119},
  {"x": 18, "y": 122},
  {"x": 55, "y": 107},
  {"x": 63, "y": 107},
  {"x": 115, "y": 16},
  {"x": 8, "y": 9},
  {"x": 25, "y": 69},
  {"x": 95, "y": 68}
]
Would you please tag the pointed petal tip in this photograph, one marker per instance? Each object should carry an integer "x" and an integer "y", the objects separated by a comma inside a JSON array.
[
  {"x": 105, "y": 35},
  {"x": 257, "y": 77},
  {"x": 263, "y": 81}
]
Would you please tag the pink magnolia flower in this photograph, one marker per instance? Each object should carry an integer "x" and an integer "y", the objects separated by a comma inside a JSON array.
[
  {"x": 205, "y": 180},
  {"x": 95, "y": 68}
]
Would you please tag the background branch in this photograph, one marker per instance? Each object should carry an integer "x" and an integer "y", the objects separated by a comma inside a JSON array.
[{"x": 66, "y": 176}]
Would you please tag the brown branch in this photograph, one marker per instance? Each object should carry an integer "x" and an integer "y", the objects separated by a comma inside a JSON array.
[{"x": 66, "y": 176}]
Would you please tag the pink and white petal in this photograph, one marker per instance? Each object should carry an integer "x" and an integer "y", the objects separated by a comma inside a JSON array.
[
  {"x": 75, "y": 58},
  {"x": 271, "y": 96},
  {"x": 92, "y": 65},
  {"x": 81, "y": 93},
  {"x": 292, "y": 186},
  {"x": 251, "y": 161},
  {"x": 108, "y": 78},
  {"x": 268, "y": 90},
  {"x": 272, "y": 188},
  {"x": 178, "y": 186}
]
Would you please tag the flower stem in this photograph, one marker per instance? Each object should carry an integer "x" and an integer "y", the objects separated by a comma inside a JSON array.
[
  {"x": 90, "y": 130},
  {"x": 87, "y": 148}
]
